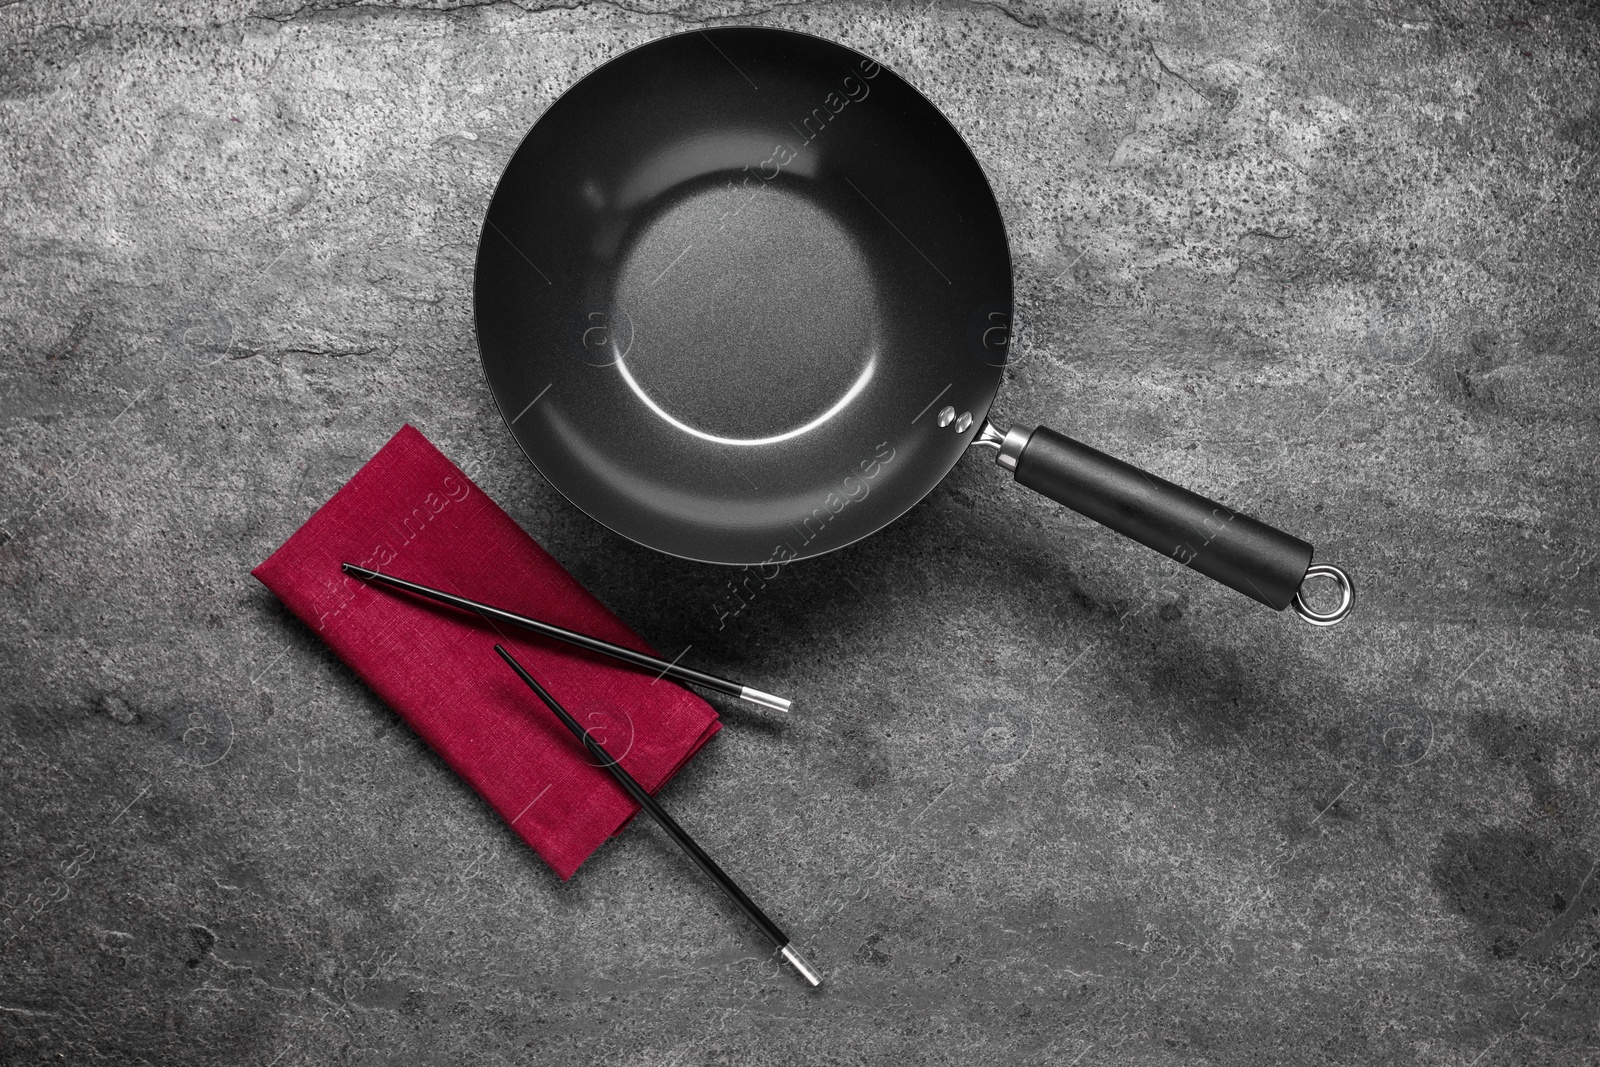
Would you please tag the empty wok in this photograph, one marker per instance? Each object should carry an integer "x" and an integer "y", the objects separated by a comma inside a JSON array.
[{"x": 744, "y": 296}]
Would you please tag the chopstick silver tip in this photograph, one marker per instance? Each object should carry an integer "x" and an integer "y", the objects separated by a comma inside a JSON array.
[
  {"x": 799, "y": 962},
  {"x": 359, "y": 572},
  {"x": 766, "y": 700}
]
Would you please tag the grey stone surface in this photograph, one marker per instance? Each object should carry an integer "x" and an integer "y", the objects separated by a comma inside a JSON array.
[{"x": 1045, "y": 798}]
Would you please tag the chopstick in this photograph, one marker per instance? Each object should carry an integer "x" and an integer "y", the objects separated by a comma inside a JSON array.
[
  {"x": 627, "y": 655},
  {"x": 674, "y": 831}
]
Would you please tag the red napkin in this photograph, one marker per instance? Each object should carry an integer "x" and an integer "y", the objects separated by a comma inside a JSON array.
[{"x": 412, "y": 513}]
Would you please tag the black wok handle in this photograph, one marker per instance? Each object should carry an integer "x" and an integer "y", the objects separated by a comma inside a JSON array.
[{"x": 1263, "y": 563}]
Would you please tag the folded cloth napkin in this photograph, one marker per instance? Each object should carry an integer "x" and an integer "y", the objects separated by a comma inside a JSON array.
[{"x": 412, "y": 513}]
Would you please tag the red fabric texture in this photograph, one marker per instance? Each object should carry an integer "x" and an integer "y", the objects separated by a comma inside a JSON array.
[{"x": 411, "y": 512}]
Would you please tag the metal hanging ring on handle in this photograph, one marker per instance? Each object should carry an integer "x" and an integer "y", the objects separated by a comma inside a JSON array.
[{"x": 1347, "y": 596}]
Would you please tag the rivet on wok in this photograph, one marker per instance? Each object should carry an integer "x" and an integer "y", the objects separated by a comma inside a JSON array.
[
  {"x": 947, "y": 415},
  {"x": 963, "y": 422}
]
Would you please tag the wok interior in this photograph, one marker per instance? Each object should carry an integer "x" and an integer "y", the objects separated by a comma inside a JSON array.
[{"x": 726, "y": 286}]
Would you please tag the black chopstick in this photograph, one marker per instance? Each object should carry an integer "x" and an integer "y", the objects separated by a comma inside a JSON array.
[
  {"x": 627, "y": 655},
  {"x": 674, "y": 831}
]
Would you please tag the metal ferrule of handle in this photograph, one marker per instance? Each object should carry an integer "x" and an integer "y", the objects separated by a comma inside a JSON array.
[{"x": 1008, "y": 444}]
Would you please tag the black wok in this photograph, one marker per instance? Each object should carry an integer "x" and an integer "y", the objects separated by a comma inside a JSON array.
[{"x": 744, "y": 296}]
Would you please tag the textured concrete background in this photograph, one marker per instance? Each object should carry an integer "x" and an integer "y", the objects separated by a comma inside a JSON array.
[{"x": 1046, "y": 799}]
